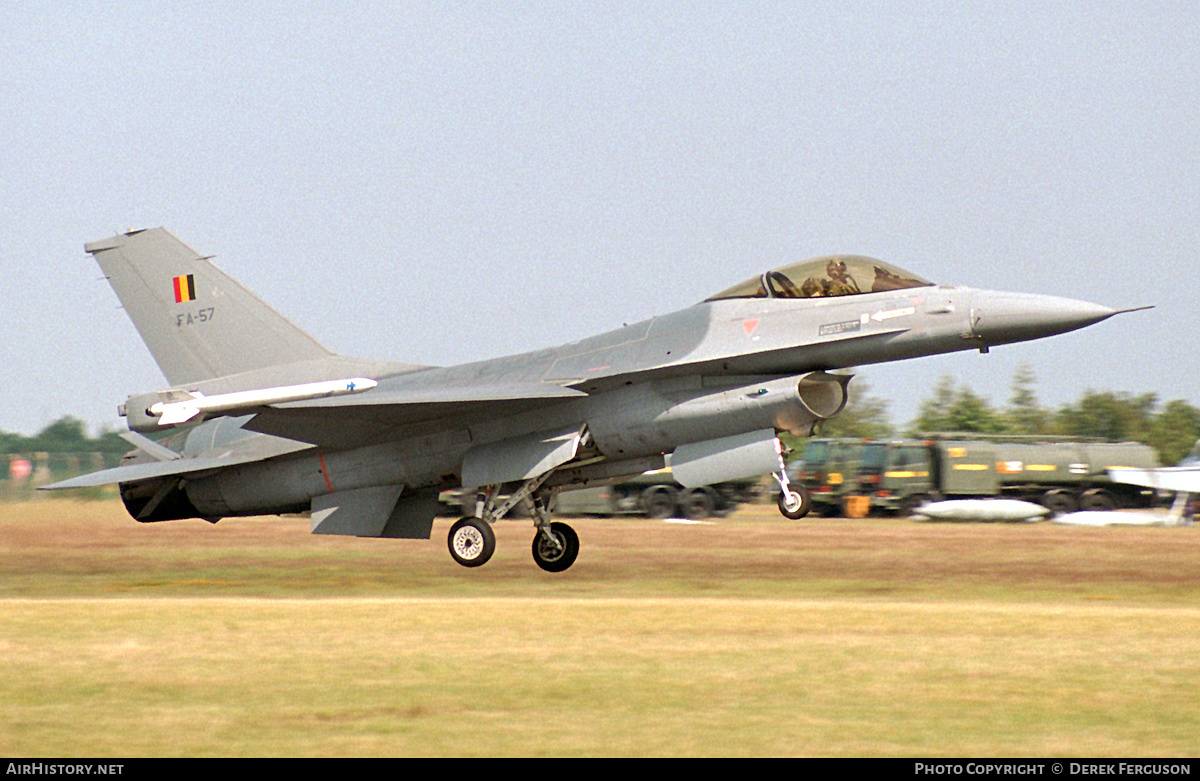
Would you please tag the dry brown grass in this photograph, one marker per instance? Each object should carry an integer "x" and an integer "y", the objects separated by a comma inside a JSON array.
[
  {"x": 88, "y": 549},
  {"x": 752, "y": 636}
]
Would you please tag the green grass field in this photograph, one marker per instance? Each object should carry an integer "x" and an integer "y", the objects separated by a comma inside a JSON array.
[{"x": 752, "y": 636}]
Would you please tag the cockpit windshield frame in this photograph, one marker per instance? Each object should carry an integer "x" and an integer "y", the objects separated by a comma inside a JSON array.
[{"x": 833, "y": 275}]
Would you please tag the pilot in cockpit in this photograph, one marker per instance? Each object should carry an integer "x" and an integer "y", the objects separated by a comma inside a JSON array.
[{"x": 841, "y": 283}]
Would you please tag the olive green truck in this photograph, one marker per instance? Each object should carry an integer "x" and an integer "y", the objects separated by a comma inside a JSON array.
[
  {"x": 656, "y": 495},
  {"x": 899, "y": 475},
  {"x": 653, "y": 494}
]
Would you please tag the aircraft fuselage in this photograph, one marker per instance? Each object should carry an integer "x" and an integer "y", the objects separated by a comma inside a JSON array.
[{"x": 706, "y": 372}]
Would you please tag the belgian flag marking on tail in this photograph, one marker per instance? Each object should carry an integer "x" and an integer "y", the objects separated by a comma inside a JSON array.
[{"x": 185, "y": 288}]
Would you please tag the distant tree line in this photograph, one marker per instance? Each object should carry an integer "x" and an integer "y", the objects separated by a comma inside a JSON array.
[
  {"x": 65, "y": 435},
  {"x": 1171, "y": 428}
]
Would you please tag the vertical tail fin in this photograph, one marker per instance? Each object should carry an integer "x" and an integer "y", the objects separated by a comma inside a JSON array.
[{"x": 197, "y": 322}]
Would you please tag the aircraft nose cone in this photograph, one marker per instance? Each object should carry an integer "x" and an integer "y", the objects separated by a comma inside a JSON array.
[{"x": 1000, "y": 318}]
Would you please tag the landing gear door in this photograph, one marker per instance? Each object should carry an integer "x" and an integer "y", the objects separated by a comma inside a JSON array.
[{"x": 519, "y": 458}]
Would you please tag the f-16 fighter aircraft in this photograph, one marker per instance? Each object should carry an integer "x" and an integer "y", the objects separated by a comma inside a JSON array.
[{"x": 272, "y": 422}]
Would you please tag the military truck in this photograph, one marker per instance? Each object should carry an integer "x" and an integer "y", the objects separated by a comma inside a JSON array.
[
  {"x": 898, "y": 476},
  {"x": 826, "y": 468},
  {"x": 655, "y": 494}
]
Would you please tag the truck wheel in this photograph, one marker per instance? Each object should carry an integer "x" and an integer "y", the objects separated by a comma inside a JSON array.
[
  {"x": 829, "y": 509},
  {"x": 1097, "y": 500},
  {"x": 1059, "y": 502},
  {"x": 698, "y": 504},
  {"x": 909, "y": 507},
  {"x": 659, "y": 503}
]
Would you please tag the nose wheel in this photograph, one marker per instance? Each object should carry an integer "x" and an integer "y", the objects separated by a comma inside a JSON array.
[{"x": 794, "y": 503}]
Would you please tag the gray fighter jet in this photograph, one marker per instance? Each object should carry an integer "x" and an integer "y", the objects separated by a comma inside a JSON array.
[{"x": 272, "y": 422}]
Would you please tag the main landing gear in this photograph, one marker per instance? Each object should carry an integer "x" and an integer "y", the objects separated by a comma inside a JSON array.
[
  {"x": 555, "y": 548},
  {"x": 472, "y": 541}
]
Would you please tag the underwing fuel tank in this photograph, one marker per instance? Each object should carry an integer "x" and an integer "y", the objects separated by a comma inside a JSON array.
[{"x": 655, "y": 417}]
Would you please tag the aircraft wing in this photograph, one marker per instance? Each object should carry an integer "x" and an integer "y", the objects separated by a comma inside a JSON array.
[
  {"x": 372, "y": 416},
  {"x": 398, "y": 406},
  {"x": 1171, "y": 478}
]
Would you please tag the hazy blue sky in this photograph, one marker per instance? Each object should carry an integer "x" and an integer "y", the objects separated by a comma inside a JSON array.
[{"x": 443, "y": 182}]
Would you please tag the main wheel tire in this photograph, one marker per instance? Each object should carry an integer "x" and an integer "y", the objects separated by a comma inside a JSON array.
[
  {"x": 794, "y": 504},
  {"x": 556, "y": 558},
  {"x": 471, "y": 541}
]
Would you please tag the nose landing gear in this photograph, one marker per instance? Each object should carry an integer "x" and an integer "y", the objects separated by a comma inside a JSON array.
[{"x": 794, "y": 503}]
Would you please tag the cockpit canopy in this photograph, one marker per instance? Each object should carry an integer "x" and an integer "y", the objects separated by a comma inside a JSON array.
[{"x": 835, "y": 275}]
